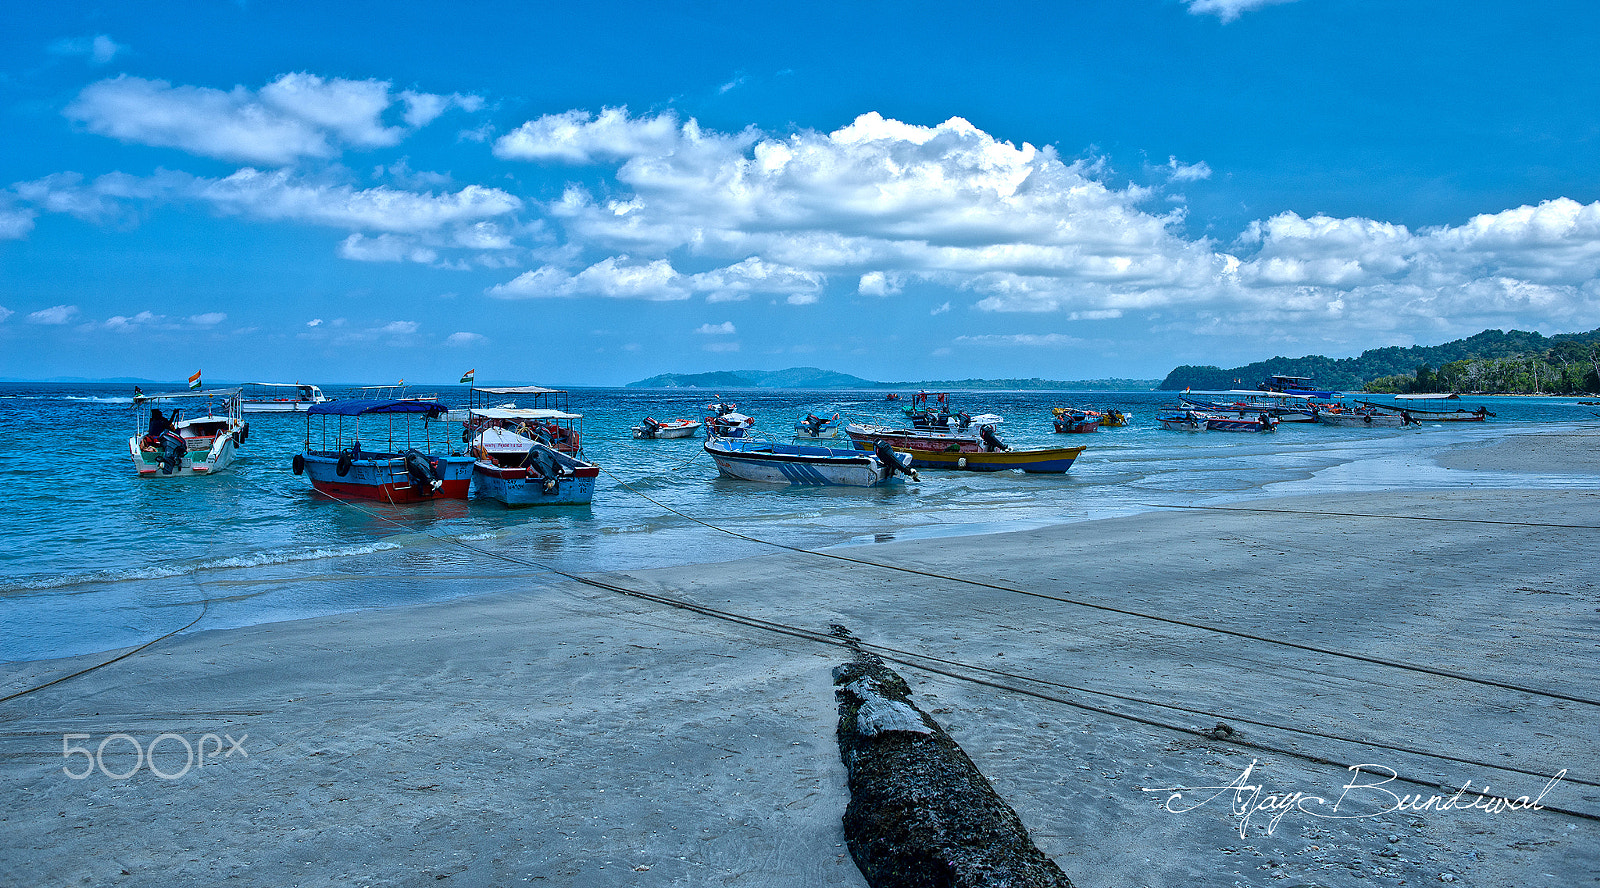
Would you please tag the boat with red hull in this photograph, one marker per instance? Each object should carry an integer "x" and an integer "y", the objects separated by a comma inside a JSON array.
[{"x": 413, "y": 464}]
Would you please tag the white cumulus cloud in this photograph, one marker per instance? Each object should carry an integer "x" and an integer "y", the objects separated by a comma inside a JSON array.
[
  {"x": 577, "y": 137},
  {"x": 54, "y": 315},
  {"x": 1228, "y": 10},
  {"x": 297, "y": 116},
  {"x": 723, "y": 329}
]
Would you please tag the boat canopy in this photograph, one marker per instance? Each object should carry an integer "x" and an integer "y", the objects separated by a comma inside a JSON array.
[
  {"x": 207, "y": 394},
  {"x": 519, "y": 390},
  {"x": 363, "y": 407},
  {"x": 535, "y": 413}
]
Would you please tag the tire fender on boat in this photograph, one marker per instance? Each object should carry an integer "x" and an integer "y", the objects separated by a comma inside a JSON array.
[
  {"x": 343, "y": 468},
  {"x": 298, "y": 464}
]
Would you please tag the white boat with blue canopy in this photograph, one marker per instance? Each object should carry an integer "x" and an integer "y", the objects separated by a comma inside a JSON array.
[
  {"x": 171, "y": 444},
  {"x": 805, "y": 465},
  {"x": 392, "y": 451}
]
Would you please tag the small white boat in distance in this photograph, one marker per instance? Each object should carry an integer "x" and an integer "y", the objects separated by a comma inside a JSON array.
[
  {"x": 279, "y": 397},
  {"x": 672, "y": 428},
  {"x": 170, "y": 444}
]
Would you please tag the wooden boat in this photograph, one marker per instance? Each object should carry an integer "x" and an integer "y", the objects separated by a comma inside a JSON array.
[
  {"x": 1037, "y": 461},
  {"x": 1417, "y": 414},
  {"x": 1286, "y": 406},
  {"x": 1239, "y": 421},
  {"x": 520, "y": 471},
  {"x": 804, "y": 465},
  {"x": 906, "y": 439},
  {"x": 1182, "y": 421},
  {"x": 279, "y": 397},
  {"x": 983, "y": 453},
  {"x": 652, "y": 429},
  {"x": 1363, "y": 417},
  {"x": 170, "y": 445},
  {"x": 414, "y": 464},
  {"x": 559, "y": 427},
  {"x": 1070, "y": 421}
]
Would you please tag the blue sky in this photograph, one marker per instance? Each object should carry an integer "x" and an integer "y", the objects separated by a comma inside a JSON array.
[{"x": 595, "y": 193}]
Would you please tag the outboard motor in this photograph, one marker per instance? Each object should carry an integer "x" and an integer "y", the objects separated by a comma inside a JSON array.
[
  {"x": 424, "y": 477},
  {"x": 891, "y": 462},
  {"x": 963, "y": 420},
  {"x": 991, "y": 442},
  {"x": 172, "y": 451},
  {"x": 650, "y": 427},
  {"x": 542, "y": 462},
  {"x": 812, "y": 424}
]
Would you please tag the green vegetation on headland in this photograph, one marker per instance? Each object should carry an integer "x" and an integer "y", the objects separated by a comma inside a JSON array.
[
  {"x": 814, "y": 378},
  {"x": 1492, "y": 361}
]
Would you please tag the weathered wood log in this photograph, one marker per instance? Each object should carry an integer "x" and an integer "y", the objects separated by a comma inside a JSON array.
[{"x": 921, "y": 815}]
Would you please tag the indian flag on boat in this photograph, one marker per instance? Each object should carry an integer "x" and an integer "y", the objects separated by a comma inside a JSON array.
[
  {"x": 194, "y": 381},
  {"x": 467, "y": 376}
]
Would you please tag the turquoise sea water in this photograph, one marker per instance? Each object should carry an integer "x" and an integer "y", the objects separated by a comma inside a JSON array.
[{"x": 98, "y": 559}]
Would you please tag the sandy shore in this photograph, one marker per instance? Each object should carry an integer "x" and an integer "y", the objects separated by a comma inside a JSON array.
[{"x": 566, "y": 734}]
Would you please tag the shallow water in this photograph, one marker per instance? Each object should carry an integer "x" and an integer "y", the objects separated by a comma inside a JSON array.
[{"x": 100, "y": 559}]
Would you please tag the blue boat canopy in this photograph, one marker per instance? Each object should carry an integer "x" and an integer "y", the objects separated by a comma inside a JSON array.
[{"x": 363, "y": 407}]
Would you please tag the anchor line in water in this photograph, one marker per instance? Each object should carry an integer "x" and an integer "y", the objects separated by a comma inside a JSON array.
[{"x": 1377, "y": 661}]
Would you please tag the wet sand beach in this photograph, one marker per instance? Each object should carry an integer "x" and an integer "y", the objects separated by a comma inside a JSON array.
[{"x": 676, "y": 726}]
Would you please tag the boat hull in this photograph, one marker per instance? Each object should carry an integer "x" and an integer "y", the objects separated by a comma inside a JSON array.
[
  {"x": 795, "y": 465},
  {"x": 206, "y": 456},
  {"x": 520, "y": 487},
  {"x": 1233, "y": 424},
  {"x": 1362, "y": 420},
  {"x": 1043, "y": 461},
  {"x": 383, "y": 477},
  {"x": 667, "y": 431},
  {"x": 866, "y": 436}
]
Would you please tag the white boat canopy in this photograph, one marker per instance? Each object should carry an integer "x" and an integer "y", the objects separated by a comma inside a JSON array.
[
  {"x": 519, "y": 390},
  {"x": 207, "y": 394},
  {"x": 522, "y": 413}
]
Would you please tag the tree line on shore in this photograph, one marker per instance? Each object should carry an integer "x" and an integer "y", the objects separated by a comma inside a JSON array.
[{"x": 1492, "y": 361}]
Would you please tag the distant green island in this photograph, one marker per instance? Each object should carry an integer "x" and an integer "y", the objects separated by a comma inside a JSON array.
[
  {"x": 815, "y": 378},
  {"x": 1493, "y": 361}
]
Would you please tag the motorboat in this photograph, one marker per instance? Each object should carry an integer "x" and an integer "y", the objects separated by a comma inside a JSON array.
[
  {"x": 388, "y": 450},
  {"x": 805, "y": 465},
  {"x": 279, "y": 397},
  {"x": 172, "y": 444},
  {"x": 817, "y": 428},
  {"x": 1182, "y": 421},
  {"x": 652, "y": 429},
  {"x": 1071, "y": 421}
]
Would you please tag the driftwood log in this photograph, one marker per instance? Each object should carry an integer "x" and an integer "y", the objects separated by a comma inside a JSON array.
[{"x": 921, "y": 815}]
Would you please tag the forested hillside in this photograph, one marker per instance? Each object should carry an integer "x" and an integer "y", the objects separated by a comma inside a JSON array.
[{"x": 1494, "y": 360}]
